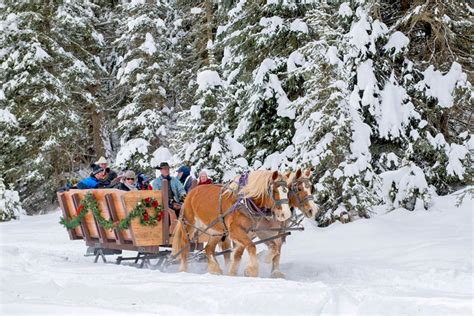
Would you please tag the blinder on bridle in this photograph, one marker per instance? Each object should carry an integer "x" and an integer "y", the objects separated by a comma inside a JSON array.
[
  {"x": 294, "y": 190},
  {"x": 279, "y": 202}
]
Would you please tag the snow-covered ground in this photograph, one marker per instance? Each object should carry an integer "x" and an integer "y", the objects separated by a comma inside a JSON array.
[{"x": 400, "y": 263}]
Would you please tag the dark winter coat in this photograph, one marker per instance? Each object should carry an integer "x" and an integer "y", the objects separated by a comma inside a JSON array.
[
  {"x": 122, "y": 187},
  {"x": 107, "y": 182},
  {"x": 186, "y": 178}
]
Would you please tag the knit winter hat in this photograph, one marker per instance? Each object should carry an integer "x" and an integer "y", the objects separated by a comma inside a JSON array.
[
  {"x": 129, "y": 174},
  {"x": 96, "y": 169}
]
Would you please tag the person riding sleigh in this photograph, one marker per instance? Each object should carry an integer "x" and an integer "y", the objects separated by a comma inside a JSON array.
[{"x": 176, "y": 190}]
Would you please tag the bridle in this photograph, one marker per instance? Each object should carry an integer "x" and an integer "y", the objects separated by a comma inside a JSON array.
[
  {"x": 294, "y": 190},
  {"x": 276, "y": 185}
]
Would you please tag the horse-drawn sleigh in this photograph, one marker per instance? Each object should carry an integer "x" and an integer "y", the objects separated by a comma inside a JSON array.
[{"x": 254, "y": 209}]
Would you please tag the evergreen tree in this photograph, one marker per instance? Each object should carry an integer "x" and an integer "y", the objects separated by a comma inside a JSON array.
[
  {"x": 142, "y": 68},
  {"x": 364, "y": 73},
  {"x": 39, "y": 79},
  {"x": 331, "y": 133},
  {"x": 256, "y": 44},
  {"x": 208, "y": 142}
]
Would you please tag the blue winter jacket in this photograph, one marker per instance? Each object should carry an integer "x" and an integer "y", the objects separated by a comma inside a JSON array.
[
  {"x": 176, "y": 187},
  {"x": 88, "y": 183}
]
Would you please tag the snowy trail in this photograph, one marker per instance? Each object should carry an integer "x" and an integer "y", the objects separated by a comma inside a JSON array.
[{"x": 398, "y": 263}]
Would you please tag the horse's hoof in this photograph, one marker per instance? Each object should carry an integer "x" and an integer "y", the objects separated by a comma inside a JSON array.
[
  {"x": 215, "y": 271},
  {"x": 251, "y": 272},
  {"x": 277, "y": 275}
]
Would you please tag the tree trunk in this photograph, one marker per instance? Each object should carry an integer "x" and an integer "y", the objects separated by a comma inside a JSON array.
[
  {"x": 210, "y": 53},
  {"x": 405, "y": 5},
  {"x": 96, "y": 125}
]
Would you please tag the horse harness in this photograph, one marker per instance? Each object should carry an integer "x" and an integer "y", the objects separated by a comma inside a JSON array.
[{"x": 247, "y": 206}]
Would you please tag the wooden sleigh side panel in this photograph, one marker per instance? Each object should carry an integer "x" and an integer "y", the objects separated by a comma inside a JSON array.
[
  {"x": 143, "y": 235},
  {"x": 116, "y": 205}
]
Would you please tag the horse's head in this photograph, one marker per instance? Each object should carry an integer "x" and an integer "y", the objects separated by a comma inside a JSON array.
[
  {"x": 300, "y": 194},
  {"x": 278, "y": 192}
]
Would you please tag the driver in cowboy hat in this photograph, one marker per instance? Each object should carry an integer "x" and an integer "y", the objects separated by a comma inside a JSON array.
[
  {"x": 111, "y": 175},
  {"x": 175, "y": 189}
]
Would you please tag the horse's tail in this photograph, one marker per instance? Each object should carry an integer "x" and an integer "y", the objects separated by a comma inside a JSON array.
[{"x": 179, "y": 238}]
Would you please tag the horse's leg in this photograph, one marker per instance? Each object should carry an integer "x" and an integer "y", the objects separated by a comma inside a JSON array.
[
  {"x": 276, "y": 273},
  {"x": 252, "y": 266},
  {"x": 271, "y": 251},
  {"x": 234, "y": 264},
  {"x": 226, "y": 244},
  {"x": 212, "y": 264},
  {"x": 238, "y": 234}
]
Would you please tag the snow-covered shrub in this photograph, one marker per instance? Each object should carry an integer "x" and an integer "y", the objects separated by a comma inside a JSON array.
[
  {"x": 10, "y": 206},
  {"x": 406, "y": 187}
]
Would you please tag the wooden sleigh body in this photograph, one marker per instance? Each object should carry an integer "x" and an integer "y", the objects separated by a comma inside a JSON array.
[{"x": 148, "y": 241}]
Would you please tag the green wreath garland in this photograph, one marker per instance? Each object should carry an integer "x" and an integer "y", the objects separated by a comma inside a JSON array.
[{"x": 90, "y": 204}]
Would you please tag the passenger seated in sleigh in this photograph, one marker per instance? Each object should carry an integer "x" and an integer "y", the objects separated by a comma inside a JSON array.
[
  {"x": 176, "y": 191},
  {"x": 95, "y": 180}
]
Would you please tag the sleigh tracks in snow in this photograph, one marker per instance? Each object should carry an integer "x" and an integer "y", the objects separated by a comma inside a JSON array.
[{"x": 152, "y": 244}]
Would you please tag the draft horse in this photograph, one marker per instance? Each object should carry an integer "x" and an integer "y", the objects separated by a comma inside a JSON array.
[
  {"x": 220, "y": 212},
  {"x": 300, "y": 196}
]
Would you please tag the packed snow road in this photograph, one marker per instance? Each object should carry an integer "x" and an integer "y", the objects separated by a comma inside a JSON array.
[{"x": 398, "y": 263}]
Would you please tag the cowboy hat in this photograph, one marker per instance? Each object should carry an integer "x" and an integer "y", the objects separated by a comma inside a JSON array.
[
  {"x": 163, "y": 165},
  {"x": 101, "y": 160}
]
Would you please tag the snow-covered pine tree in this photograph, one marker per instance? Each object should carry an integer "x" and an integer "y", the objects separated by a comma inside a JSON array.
[
  {"x": 143, "y": 67},
  {"x": 438, "y": 76},
  {"x": 331, "y": 134},
  {"x": 206, "y": 141},
  {"x": 192, "y": 27},
  {"x": 255, "y": 44},
  {"x": 391, "y": 137},
  {"x": 209, "y": 142},
  {"x": 74, "y": 28},
  {"x": 36, "y": 86}
]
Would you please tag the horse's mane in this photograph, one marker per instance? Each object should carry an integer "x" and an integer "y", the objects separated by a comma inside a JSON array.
[{"x": 257, "y": 185}]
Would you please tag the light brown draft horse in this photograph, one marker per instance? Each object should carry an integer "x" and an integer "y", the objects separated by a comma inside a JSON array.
[
  {"x": 205, "y": 204},
  {"x": 300, "y": 196}
]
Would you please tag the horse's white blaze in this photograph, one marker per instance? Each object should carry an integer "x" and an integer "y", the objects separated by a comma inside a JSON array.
[
  {"x": 312, "y": 205},
  {"x": 286, "y": 212}
]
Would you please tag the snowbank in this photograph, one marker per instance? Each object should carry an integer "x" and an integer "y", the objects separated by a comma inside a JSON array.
[{"x": 415, "y": 263}]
